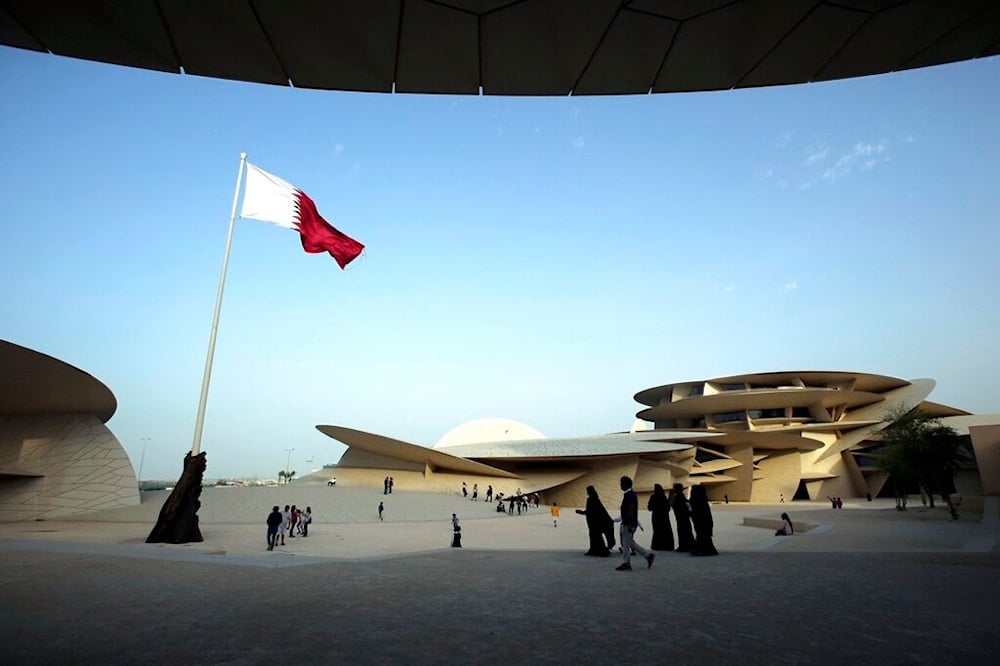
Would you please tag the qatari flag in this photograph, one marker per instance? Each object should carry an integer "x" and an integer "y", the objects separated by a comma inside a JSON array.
[{"x": 271, "y": 199}]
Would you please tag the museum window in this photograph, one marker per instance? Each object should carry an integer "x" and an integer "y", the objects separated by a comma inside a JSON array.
[
  {"x": 728, "y": 417},
  {"x": 704, "y": 456},
  {"x": 776, "y": 413},
  {"x": 801, "y": 413},
  {"x": 697, "y": 390},
  {"x": 734, "y": 387}
]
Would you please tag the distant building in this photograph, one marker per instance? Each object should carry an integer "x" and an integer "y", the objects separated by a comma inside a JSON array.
[
  {"x": 756, "y": 437},
  {"x": 57, "y": 458}
]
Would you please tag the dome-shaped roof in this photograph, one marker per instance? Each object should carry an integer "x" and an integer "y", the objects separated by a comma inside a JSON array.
[{"x": 491, "y": 429}]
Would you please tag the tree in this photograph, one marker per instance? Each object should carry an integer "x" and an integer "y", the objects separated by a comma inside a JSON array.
[
  {"x": 281, "y": 475},
  {"x": 918, "y": 448}
]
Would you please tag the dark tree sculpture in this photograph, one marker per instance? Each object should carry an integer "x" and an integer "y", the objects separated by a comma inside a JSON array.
[{"x": 178, "y": 521}]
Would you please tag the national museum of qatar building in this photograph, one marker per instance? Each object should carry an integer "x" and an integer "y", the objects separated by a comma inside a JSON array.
[
  {"x": 57, "y": 456},
  {"x": 754, "y": 438}
]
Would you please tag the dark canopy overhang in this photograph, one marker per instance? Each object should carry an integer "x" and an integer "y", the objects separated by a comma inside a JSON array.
[{"x": 511, "y": 47}]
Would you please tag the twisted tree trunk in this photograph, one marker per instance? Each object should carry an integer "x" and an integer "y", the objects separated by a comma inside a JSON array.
[{"x": 178, "y": 521}]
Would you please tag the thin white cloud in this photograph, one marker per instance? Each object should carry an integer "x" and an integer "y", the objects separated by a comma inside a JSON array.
[
  {"x": 783, "y": 140},
  {"x": 578, "y": 142},
  {"x": 338, "y": 149},
  {"x": 867, "y": 155},
  {"x": 814, "y": 156},
  {"x": 862, "y": 148},
  {"x": 791, "y": 286}
]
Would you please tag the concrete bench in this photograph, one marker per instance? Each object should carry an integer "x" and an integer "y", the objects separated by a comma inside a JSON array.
[{"x": 774, "y": 524}]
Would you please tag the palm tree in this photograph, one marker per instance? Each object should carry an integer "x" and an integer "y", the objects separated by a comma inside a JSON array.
[
  {"x": 282, "y": 475},
  {"x": 918, "y": 448}
]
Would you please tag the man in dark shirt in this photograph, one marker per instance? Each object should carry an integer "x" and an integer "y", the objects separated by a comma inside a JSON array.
[
  {"x": 274, "y": 519},
  {"x": 630, "y": 522}
]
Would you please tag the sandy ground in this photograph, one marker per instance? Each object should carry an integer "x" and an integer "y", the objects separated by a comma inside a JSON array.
[{"x": 867, "y": 584}]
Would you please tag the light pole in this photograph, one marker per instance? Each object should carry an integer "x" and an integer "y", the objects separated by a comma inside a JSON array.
[
  {"x": 288, "y": 463},
  {"x": 142, "y": 459}
]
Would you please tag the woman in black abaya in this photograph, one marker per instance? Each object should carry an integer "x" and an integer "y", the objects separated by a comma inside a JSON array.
[
  {"x": 701, "y": 516},
  {"x": 659, "y": 507},
  {"x": 599, "y": 523},
  {"x": 682, "y": 514}
]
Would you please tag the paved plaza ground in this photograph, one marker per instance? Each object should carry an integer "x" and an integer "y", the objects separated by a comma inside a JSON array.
[{"x": 867, "y": 585}]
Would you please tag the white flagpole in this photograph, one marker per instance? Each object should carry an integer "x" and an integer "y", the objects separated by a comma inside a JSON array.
[{"x": 200, "y": 421}]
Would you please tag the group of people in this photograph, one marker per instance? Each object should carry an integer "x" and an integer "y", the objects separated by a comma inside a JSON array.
[
  {"x": 290, "y": 522},
  {"x": 387, "y": 484},
  {"x": 836, "y": 502},
  {"x": 693, "y": 519},
  {"x": 519, "y": 500}
]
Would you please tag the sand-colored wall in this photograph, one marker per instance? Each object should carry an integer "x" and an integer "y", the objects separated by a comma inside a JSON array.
[
  {"x": 778, "y": 475},
  {"x": 81, "y": 467},
  {"x": 986, "y": 445},
  {"x": 740, "y": 489}
]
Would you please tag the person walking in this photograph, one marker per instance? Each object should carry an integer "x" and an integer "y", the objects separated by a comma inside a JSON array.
[
  {"x": 629, "y": 519},
  {"x": 701, "y": 516},
  {"x": 305, "y": 519},
  {"x": 286, "y": 517},
  {"x": 555, "y": 513},
  {"x": 598, "y": 523},
  {"x": 274, "y": 519},
  {"x": 475, "y": 492},
  {"x": 659, "y": 509},
  {"x": 381, "y": 507},
  {"x": 682, "y": 515},
  {"x": 489, "y": 493}
]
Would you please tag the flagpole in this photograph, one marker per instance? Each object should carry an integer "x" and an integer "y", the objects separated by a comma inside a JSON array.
[{"x": 200, "y": 421}]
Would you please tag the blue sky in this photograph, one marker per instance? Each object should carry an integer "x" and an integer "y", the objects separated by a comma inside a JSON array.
[{"x": 540, "y": 259}]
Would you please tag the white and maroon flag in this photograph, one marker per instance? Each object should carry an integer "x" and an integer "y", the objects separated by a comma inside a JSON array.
[{"x": 271, "y": 199}]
